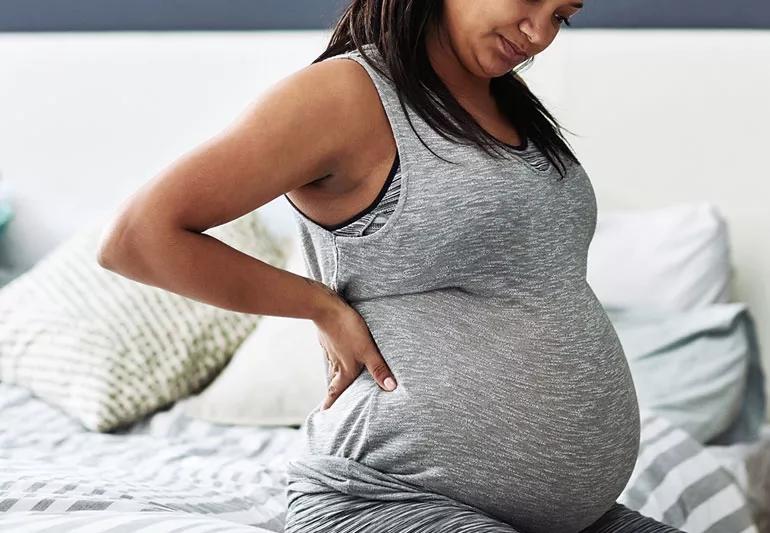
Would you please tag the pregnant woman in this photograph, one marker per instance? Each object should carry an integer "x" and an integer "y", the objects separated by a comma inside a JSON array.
[
  {"x": 514, "y": 409},
  {"x": 475, "y": 382}
]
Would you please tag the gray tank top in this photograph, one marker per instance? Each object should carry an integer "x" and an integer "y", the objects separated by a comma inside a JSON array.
[
  {"x": 374, "y": 216},
  {"x": 514, "y": 395}
]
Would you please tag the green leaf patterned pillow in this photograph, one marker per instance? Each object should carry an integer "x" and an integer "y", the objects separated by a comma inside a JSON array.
[{"x": 109, "y": 350}]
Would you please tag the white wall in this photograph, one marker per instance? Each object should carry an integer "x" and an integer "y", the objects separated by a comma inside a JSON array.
[{"x": 88, "y": 117}]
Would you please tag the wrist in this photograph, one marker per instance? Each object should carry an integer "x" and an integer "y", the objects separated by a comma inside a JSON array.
[{"x": 326, "y": 303}]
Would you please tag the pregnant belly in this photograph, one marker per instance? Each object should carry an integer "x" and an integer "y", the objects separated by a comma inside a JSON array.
[{"x": 526, "y": 412}]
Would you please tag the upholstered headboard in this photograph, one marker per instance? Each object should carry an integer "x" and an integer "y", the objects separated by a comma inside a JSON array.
[{"x": 663, "y": 116}]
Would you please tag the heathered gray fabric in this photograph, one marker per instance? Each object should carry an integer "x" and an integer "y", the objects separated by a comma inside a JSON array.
[
  {"x": 514, "y": 395},
  {"x": 395, "y": 510}
]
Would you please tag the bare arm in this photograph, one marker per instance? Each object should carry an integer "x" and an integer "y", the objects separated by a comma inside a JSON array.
[{"x": 292, "y": 135}]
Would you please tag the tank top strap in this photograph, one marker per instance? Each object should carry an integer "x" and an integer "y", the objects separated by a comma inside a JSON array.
[
  {"x": 407, "y": 143},
  {"x": 389, "y": 97},
  {"x": 416, "y": 160},
  {"x": 418, "y": 143}
]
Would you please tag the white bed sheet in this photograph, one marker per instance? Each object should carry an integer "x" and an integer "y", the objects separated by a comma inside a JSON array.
[{"x": 52, "y": 468}]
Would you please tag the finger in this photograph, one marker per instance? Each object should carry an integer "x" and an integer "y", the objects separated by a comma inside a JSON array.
[
  {"x": 338, "y": 384},
  {"x": 379, "y": 369}
]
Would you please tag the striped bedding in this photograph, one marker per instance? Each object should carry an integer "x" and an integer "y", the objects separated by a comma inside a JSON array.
[{"x": 169, "y": 472}]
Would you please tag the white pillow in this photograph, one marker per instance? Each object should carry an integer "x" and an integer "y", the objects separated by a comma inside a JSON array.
[
  {"x": 276, "y": 377},
  {"x": 108, "y": 350},
  {"x": 671, "y": 259}
]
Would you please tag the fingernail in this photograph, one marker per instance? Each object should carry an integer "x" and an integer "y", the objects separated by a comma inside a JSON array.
[{"x": 390, "y": 384}]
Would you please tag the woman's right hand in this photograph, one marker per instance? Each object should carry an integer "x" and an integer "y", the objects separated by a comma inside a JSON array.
[{"x": 349, "y": 347}]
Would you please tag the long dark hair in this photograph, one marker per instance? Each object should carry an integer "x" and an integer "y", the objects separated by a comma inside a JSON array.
[{"x": 397, "y": 28}]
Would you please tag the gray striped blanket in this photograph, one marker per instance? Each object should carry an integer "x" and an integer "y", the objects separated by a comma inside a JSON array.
[{"x": 169, "y": 472}]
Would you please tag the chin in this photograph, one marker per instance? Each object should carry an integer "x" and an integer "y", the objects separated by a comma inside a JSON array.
[
  {"x": 498, "y": 68},
  {"x": 490, "y": 64}
]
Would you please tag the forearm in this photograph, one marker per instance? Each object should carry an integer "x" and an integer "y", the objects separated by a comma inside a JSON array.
[{"x": 205, "y": 269}]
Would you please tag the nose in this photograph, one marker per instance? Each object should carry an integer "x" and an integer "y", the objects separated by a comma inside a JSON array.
[
  {"x": 536, "y": 30},
  {"x": 531, "y": 32}
]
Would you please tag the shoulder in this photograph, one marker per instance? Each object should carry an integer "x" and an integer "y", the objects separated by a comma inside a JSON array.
[
  {"x": 344, "y": 94},
  {"x": 332, "y": 81},
  {"x": 344, "y": 80}
]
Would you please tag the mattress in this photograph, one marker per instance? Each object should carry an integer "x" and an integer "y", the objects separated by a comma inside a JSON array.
[{"x": 169, "y": 472}]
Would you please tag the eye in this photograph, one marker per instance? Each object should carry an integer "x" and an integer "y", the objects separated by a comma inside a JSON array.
[{"x": 563, "y": 20}]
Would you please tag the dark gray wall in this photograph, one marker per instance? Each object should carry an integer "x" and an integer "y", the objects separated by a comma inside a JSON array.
[{"x": 155, "y": 15}]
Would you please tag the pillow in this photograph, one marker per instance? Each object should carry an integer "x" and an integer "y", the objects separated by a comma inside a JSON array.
[
  {"x": 275, "y": 378},
  {"x": 108, "y": 350},
  {"x": 671, "y": 258},
  {"x": 749, "y": 423},
  {"x": 698, "y": 368}
]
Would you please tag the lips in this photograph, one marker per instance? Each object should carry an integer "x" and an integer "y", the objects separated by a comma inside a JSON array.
[{"x": 510, "y": 50}]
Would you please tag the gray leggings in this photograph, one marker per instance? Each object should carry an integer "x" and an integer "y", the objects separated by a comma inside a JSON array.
[{"x": 330, "y": 511}]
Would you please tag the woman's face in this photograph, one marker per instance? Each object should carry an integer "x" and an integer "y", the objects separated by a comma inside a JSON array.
[{"x": 476, "y": 28}]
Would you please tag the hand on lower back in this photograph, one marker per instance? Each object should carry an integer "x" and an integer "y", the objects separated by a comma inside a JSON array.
[{"x": 349, "y": 346}]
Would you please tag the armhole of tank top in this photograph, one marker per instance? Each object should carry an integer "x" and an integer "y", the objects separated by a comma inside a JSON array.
[
  {"x": 393, "y": 117},
  {"x": 394, "y": 169},
  {"x": 399, "y": 162},
  {"x": 368, "y": 209}
]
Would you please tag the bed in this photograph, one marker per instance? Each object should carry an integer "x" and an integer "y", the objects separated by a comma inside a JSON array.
[{"x": 169, "y": 471}]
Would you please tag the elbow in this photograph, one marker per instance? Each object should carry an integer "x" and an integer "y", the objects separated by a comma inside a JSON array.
[
  {"x": 126, "y": 247},
  {"x": 104, "y": 257},
  {"x": 111, "y": 243}
]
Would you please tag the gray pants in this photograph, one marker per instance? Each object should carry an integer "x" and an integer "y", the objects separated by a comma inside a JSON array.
[{"x": 331, "y": 511}]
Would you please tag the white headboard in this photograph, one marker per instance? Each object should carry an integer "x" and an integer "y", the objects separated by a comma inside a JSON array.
[{"x": 664, "y": 116}]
